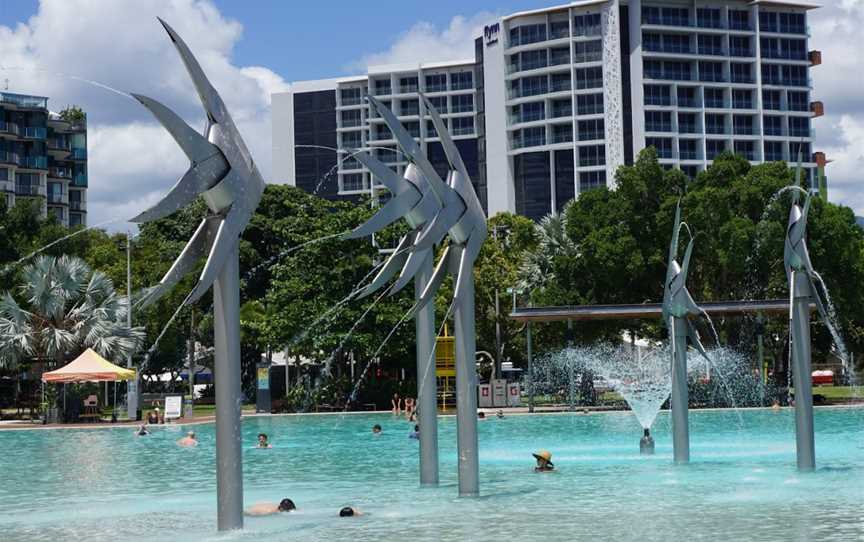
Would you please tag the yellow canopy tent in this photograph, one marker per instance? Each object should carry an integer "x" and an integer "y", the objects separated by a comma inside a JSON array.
[{"x": 89, "y": 367}]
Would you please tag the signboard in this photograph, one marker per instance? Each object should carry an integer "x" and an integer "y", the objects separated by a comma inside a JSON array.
[
  {"x": 485, "y": 399},
  {"x": 445, "y": 356},
  {"x": 263, "y": 378},
  {"x": 499, "y": 392},
  {"x": 173, "y": 407},
  {"x": 490, "y": 33},
  {"x": 514, "y": 394}
]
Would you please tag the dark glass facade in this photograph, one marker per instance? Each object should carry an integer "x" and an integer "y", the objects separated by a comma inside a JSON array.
[
  {"x": 565, "y": 186},
  {"x": 531, "y": 178},
  {"x": 315, "y": 124}
]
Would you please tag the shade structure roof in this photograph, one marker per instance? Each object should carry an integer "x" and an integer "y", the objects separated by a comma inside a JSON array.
[{"x": 89, "y": 367}]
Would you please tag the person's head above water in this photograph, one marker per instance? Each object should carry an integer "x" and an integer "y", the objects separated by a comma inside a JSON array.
[
  {"x": 348, "y": 511},
  {"x": 544, "y": 460},
  {"x": 481, "y": 415},
  {"x": 191, "y": 434},
  {"x": 286, "y": 505},
  {"x": 376, "y": 428},
  {"x": 262, "y": 438}
]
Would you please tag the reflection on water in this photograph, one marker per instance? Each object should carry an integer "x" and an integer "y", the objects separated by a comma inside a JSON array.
[{"x": 742, "y": 484}]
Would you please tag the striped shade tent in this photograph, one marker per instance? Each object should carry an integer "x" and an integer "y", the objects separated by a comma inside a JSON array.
[{"x": 89, "y": 367}]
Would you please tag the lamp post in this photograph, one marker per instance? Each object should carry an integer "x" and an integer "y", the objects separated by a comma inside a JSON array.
[{"x": 132, "y": 385}]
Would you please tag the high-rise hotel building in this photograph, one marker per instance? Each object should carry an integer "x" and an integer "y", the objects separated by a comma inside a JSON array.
[
  {"x": 556, "y": 99},
  {"x": 43, "y": 158}
]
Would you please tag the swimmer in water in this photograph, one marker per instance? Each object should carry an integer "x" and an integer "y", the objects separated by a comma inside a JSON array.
[
  {"x": 189, "y": 440},
  {"x": 481, "y": 415},
  {"x": 544, "y": 461},
  {"x": 376, "y": 429},
  {"x": 775, "y": 405},
  {"x": 142, "y": 430},
  {"x": 500, "y": 413},
  {"x": 269, "y": 508},
  {"x": 349, "y": 511},
  {"x": 416, "y": 433},
  {"x": 262, "y": 441}
]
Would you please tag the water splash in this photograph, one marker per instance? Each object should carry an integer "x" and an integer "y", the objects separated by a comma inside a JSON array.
[
  {"x": 287, "y": 251},
  {"x": 92, "y": 82},
  {"x": 152, "y": 349}
]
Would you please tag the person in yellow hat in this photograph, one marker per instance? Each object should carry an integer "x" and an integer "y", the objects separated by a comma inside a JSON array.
[{"x": 544, "y": 461}]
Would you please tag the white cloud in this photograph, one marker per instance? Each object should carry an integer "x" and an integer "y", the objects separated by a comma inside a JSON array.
[
  {"x": 836, "y": 29},
  {"x": 423, "y": 42},
  {"x": 132, "y": 159}
]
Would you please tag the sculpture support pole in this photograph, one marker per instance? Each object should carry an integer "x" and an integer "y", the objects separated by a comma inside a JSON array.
[
  {"x": 427, "y": 407},
  {"x": 679, "y": 397},
  {"x": 466, "y": 386},
  {"x": 226, "y": 337},
  {"x": 804, "y": 439}
]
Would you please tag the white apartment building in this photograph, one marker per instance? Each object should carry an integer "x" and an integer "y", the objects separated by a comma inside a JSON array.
[{"x": 557, "y": 99}]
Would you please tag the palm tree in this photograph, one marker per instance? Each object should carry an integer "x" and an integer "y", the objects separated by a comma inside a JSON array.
[
  {"x": 538, "y": 267},
  {"x": 67, "y": 307}
]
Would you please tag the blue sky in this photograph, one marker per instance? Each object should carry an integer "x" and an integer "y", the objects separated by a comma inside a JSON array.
[{"x": 251, "y": 49}]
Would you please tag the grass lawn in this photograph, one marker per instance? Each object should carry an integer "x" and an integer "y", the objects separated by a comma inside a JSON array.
[{"x": 839, "y": 393}]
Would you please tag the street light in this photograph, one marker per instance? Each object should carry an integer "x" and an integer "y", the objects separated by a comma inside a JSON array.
[
  {"x": 499, "y": 347},
  {"x": 132, "y": 385}
]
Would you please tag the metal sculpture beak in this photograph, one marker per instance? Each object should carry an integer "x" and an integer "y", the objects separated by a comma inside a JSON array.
[
  {"x": 432, "y": 207},
  {"x": 221, "y": 170}
]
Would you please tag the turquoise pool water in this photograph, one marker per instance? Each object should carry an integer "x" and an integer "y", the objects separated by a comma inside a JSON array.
[{"x": 106, "y": 484}]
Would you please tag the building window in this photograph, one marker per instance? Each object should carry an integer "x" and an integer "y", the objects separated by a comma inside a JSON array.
[
  {"x": 740, "y": 46},
  {"x": 768, "y": 21},
  {"x": 799, "y": 127},
  {"x": 463, "y": 103},
  {"x": 560, "y": 82},
  {"x": 714, "y": 147},
  {"x": 590, "y": 130},
  {"x": 461, "y": 80},
  {"x": 592, "y": 155},
  {"x": 562, "y": 133},
  {"x": 771, "y": 100},
  {"x": 532, "y": 60},
  {"x": 382, "y": 132},
  {"x": 791, "y": 49},
  {"x": 663, "y": 145},
  {"x": 562, "y": 108},
  {"x": 589, "y": 104},
  {"x": 351, "y": 118},
  {"x": 408, "y": 85},
  {"x": 439, "y": 103},
  {"x": 715, "y": 124},
  {"x": 687, "y": 97},
  {"x": 413, "y": 128},
  {"x": 794, "y": 76},
  {"x": 792, "y": 23},
  {"x": 687, "y": 149},
  {"x": 4, "y": 174},
  {"x": 739, "y": 19},
  {"x": 530, "y": 112},
  {"x": 462, "y": 126},
  {"x": 658, "y": 121},
  {"x": 711, "y": 45},
  {"x": 711, "y": 72},
  {"x": 589, "y": 78},
  {"x": 589, "y": 180},
  {"x": 351, "y": 96},
  {"x": 676, "y": 71},
  {"x": 559, "y": 55},
  {"x": 690, "y": 171},
  {"x": 75, "y": 219},
  {"x": 529, "y": 33},
  {"x": 430, "y": 128},
  {"x": 746, "y": 149},
  {"x": 742, "y": 98},
  {"x": 534, "y": 137},
  {"x": 587, "y": 25},
  {"x": 382, "y": 87},
  {"x": 353, "y": 182},
  {"x": 559, "y": 29},
  {"x": 588, "y": 51},
  {"x": 351, "y": 140},
  {"x": 773, "y": 151},
  {"x": 409, "y": 107},
  {"x": 658, "y": 95},
  {"x": 771, "y": 74},
  {"x": 772, "y": 126},
  {"x": 436, "y": 82},
  {"x": 687, "y": 123},
  {"x": 532, "y": 86},
  {"x": 798, "y": 101},
  {"x": 742, "y": 125},
  {"x": 708, "y": 18},
  {"x": 714, "y": 98},
  {"x": 741, "y": 73}
]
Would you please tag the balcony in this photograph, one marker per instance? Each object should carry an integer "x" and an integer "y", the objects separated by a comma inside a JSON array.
[
  {"x": 658, "y": 127},
  {"x": 351, "y": 100},
  {"x": 712, "y": 51},
  {"x": 747, "y": 154},
  {"x": 557, "y": 33},
  {"x": 7, "y": 157},
  {"x": 527, "y": 117},
  {"x": 742, "y": 52},
  {"x": 774, "y": 156},
  {"x": 743, "y": 130},
  {"x": 57, "y": 198},
  {"x": 60, "y": 145},
  {"x": 655, "y": 47},
  {"x": 436, "y": 87},
  {"x": 688, "y": 128},
  {"x": 9, "y": 128},
  {"x": 560, "y": 85},
  {"x": 742, "y": 104},
  {"x": 79, "y": 154},
  {"x": 743, "y": 78},
  {"x": 34, "y": 162},
  {"x": 817, "y": 108},
  {"x": 60, "y": 172},
  {"x": 715, "y": 129},
  {"x": 462, "y": 130},
  {"x": 77, "y": 205},
  {"x": 595, "y": 135},
  {"x": 665, "y": 21},
  {"x": 688, "y": 155},
  {"x": 28, "y": 102},
  {"x": 7, "y": 186},
  {"x": 34, "y": 132},
  {"x": 408, "y": 89},
  {"x": 689, "y": 102},
  {"x": 28, "y": 190},
  {"x": 562, "y": 136},
  {"x": 79, "y": 179}
]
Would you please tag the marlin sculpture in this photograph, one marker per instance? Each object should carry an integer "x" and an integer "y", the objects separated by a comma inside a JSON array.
[
  {"x": 222, "y": 172},
  {"x": 436, "y": 210},
  {"x": 677, "y": 301}
]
